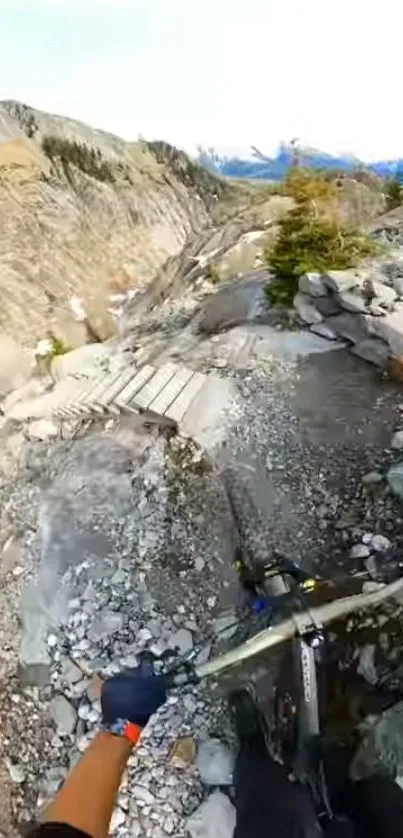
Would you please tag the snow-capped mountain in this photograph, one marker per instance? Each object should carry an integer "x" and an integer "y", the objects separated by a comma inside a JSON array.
[{"x": 253, "y": 163}]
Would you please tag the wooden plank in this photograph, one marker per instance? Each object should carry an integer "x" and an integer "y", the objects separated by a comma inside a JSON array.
[
  {"x": 154, "y": 386},
  {"x": 120, "y": 381},
  {"x": 85, "y": 387},
  {"x": 99, "y": 386},
  {"x": 135, "y": 385},
  {"x": 83, "y": 392},
  {"x": 171, "y": 390},
  {"x": 181, "y": 404}
]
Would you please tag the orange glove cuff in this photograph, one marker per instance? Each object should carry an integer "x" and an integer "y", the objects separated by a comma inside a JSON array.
[{"x": 132, "y": 732}]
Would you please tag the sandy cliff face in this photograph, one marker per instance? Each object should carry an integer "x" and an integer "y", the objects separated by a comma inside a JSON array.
[{"x": 65, "y": 232}]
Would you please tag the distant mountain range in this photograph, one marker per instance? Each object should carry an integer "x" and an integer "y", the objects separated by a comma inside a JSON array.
[{"x": 252, "y": 163}]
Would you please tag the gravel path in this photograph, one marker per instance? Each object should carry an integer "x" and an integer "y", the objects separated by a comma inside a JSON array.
[
  {"x": 127, "y": 543},
  {"x": 296, "y": 464}
]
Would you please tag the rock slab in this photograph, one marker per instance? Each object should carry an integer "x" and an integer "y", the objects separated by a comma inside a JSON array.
[
  {"x": 215, "y": 818},
  {"x": 215, "y": 763},
  {"x": 306, "y": 310},
  {"x": 63, "y": 715}
]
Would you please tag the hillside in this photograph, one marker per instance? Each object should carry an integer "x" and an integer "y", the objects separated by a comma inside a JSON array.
[{"x": 85, "y": 213}]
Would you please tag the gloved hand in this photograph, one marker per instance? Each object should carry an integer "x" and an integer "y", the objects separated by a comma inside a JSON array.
[{"x": 132, "y": 695}]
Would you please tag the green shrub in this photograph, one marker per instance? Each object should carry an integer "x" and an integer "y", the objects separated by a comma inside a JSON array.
[
  {"x": 213, "y": 274},
  {"x": 309, "y": 241},
  {"x": 189, "y": 173},
  {"x": 86, "y": 158},
  {"x": 393, "y": 193},
  {"x": 58, "y": 347},
  {"x": 31, "y": 125},
  {"x": 304, "y": 184}
]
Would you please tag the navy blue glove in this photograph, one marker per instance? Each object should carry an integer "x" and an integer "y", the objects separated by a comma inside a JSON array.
[{"x": 133, "y": 695}]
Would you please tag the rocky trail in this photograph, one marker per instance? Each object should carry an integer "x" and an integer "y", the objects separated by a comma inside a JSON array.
[{"x": 118, "y": 539}]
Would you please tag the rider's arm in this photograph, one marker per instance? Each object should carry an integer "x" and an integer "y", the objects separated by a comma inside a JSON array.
[
  {"x": 88, "y": 796},
  {"x": 86, "y": 800}
]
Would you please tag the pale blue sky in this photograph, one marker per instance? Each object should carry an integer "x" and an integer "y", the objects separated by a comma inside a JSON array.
[{"x": 219, "y": 72}]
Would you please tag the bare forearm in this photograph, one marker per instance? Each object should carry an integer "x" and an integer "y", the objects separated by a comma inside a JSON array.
[{"x": 87, "y": 798}]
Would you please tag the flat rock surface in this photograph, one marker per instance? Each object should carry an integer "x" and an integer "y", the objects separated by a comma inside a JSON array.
[{"x": 238, "y": 302}]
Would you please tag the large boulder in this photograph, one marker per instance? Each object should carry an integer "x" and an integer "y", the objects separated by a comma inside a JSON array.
[
  {"x": 351, "y": 327},
  {"x": 240, "y": 302},
  {"x": 390, "y": 328}
]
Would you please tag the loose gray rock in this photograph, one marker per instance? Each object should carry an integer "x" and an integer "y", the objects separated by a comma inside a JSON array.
[
  {"x": 380, "y": 543},
  {"x": 105, "y": 624},
  {"x": 182, "y": 640},
  {"x": 215, "y": 763},
  {"x": 376, "y": 310},
  {"x": 397, "y": 440},
  {"x": 118, "y": 819},
  {"x": 312, "y": 283},
  {"x": 306, "y": 309},
  {"x": 372, "y": 478},
  {"x": 390, "y": 328},
  {"x": 215, "y": 818},
  {"x": 359, "y": 551},
  {"x": 71, "y": 673},
  {"x": 119, "y": 578},
  {"x": 341, "y": 281},
  {"x": 353, "y": 302},
  {"x": 144, "y": 635},
  {"x": 42, "y": 429},
  {"x": 17, "y": 773},
  {"x": 394, "y": 478},
  {"x": 385, "y": 295},
  {"x": 63, "y": 714},
  {"x": 142, "y": 793}
]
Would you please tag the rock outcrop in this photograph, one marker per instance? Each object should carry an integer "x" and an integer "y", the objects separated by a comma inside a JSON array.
[
  {"x": 356, "y": 306},
  {"x": 90, "y": 223}
]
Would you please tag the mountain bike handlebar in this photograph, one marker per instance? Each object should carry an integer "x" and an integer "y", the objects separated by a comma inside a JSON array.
[{"x": 299, "y": 624}]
